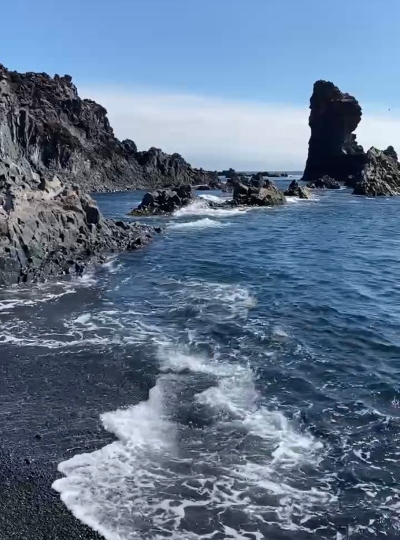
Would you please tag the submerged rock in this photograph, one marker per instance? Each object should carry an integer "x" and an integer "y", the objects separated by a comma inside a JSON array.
[
  {"x": 333, "y": 150},
  {"x": 326, "y": 182},
  {"x": 294, "y": 190},
  {"x": 380, "y": 175},
  {"x": 164, "y": 201}
]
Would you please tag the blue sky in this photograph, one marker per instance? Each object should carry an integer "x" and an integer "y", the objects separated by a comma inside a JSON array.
[{"x": 236, "y": 58}]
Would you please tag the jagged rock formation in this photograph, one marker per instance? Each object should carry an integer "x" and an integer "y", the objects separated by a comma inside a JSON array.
[
  {"x": 228, "y": 173},
  {"x": 51, "y": 229},
  {"x": 46, "y": 128},
  {"x": 326, "y": 182},
  {"x": 269, "y": 195},
  {"x": 380, "y": 175},
  {"x": 294, "y": 190},
  {"x": 164, "y": 201},
  {"x": 333, "y": 150}
]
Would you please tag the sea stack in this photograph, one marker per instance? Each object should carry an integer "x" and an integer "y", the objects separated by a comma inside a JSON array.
[{"x": 333, "y": 150}]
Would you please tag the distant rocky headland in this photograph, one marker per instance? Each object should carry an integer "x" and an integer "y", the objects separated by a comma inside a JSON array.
[
  {"x": 47, "y": 128},
  {"x": 55, "y": 147}
]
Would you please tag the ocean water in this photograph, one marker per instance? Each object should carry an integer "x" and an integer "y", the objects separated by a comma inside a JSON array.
[{"x": 255, "y": 360}]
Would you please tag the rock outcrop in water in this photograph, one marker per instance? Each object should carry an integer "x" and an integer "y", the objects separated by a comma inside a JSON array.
[
  {"x": 295, "y": 190},
  {"x": 325, "y": 182},
  {"x": 164, "y": 201},
  {"x": 380, "y": 175},
  {"x": 45, "y": 127},
  {"x": 268, "y": 195},
  {"x": 333, "y": 150},
  {"x": 334, "y": 155}
]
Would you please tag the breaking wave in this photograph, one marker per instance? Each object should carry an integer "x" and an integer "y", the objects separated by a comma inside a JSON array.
[
  {"x": 200, "y": 208},
  {"x": 204, "y": 223}
]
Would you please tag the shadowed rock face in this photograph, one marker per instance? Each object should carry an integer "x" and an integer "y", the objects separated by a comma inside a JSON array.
[
  {"x": 333, "y": 150},
  {"x": 164, "y": 201},
  {"x": 268, "y": 195},
  {"x": 47, "y": 128},
  {"x": 294, "y": 190}
]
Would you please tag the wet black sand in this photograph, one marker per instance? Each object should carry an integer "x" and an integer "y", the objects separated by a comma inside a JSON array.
[{"x": 50, "y": 404}]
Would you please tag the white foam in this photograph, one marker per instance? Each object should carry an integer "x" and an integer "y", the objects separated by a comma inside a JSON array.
[
  {"x": 294, "y": 200},
  {"x": 96, "y": 487},
  {"x": 213, "y": 198},
  {"x": 133, "y": 488},
  {"x": 83, "y": 319},
  {"x": 112, "y": 266},
  {"x": 204, "y": 223},
  {"x": 30, "y": 296},
  {"x": 200, "y": 208}
]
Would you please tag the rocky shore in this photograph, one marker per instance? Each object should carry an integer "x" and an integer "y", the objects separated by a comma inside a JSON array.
[{"x": 54, "y": 146}]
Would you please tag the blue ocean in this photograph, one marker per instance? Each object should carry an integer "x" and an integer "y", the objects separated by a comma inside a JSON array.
[{"x": 237, "y": 379}]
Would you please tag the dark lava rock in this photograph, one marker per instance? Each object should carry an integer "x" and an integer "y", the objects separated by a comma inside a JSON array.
[
  {"x": 164, "y": 201},
  {"x": 232, "y": 182},
  {"x": 55, "y": 230},
  {"x": 257, "y": 180},
  {"x": 48, "y": 129},
  {"x": 326, "y": 182},
  {"x": 230, "y": 173},
  {"x": 333, "y": 150},
  {"x": 276, "y": 174},
  {"x": 294, "y": 190},
  {"x": 380, "y": 175},
  {"x": 269, "y": 195}
]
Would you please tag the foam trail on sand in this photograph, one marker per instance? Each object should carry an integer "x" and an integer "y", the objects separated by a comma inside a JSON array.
[{"x": 149, "y": 482}]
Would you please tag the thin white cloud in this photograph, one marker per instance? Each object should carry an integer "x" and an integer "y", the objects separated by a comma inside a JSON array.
[{"x": 215, "y": 133}]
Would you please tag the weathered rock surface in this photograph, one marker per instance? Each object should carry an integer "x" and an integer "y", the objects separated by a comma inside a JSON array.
[
  {"x": 333, "y": 150},
  {"x": 326, "y": 182},
  {"x": 164, "y": 201},
  {"x": 54, "y": 229},
  {"x": 295, "y": 190},
  {"x": 380, "y": 175},
  {"x": 269, "y": 195},
  {"x": 46, "y": 128}
]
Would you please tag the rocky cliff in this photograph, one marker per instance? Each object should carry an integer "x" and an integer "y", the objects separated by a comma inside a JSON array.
[{"x": 47, "y": 129}]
